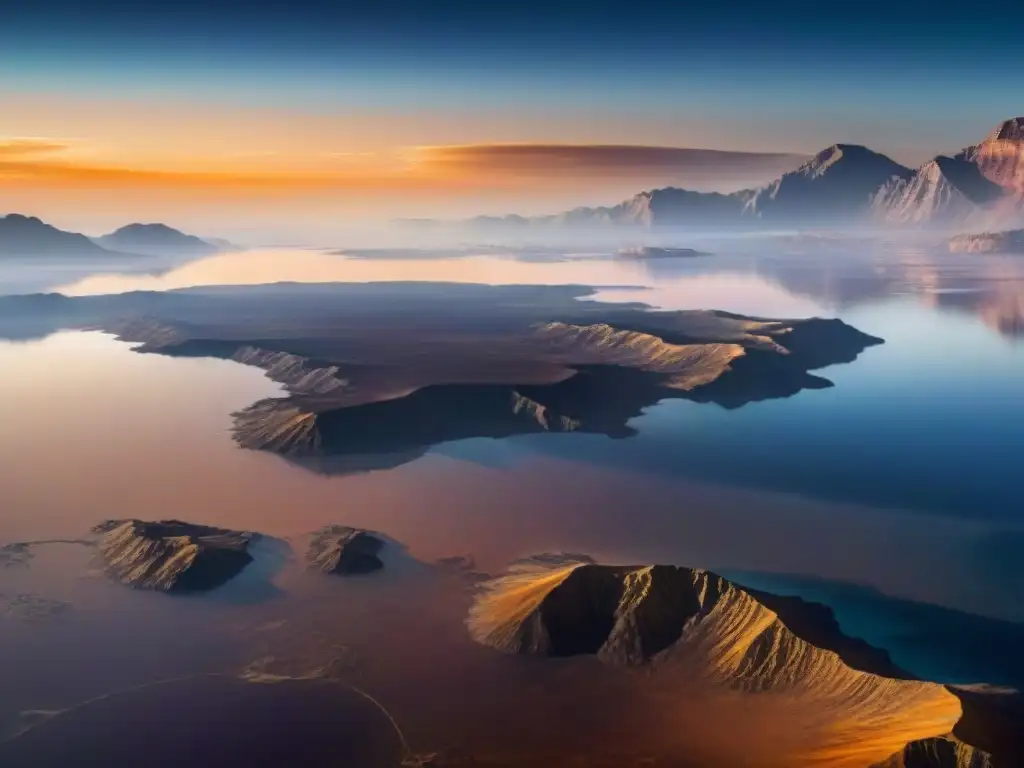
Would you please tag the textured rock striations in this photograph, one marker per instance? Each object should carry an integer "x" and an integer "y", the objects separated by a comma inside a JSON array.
[
  {"x": 699, "y": 626},
  {"x": 981, "y": 184},
  {"x": 938, "y": 752},
  {"x": 368, "y": 388},
  {"x": 172, "y": 556},
  {"x": 345, "y": 551}
]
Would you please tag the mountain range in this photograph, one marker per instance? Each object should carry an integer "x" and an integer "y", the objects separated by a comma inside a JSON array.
[
  {"x": 844, "y": 184},
  {"x": 29, "y": 236}
]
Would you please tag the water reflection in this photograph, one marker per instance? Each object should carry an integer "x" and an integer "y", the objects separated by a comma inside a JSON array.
[
  {"x": 94, "y": 430},
  {"x": 761, "y": 276}
]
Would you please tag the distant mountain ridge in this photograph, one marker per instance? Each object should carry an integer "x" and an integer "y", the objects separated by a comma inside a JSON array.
[
  {"x": 158, "y": 238},
  {"x": 30, "y": 236},
  {"x": 842, "y": 184}
]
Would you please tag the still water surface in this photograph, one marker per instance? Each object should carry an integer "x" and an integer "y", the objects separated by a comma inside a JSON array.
[{"x": 897, "y": 484}]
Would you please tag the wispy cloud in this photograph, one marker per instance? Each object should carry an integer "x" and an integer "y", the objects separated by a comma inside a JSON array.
[
  {"x": 503, "y": 168},
  {"x": 604, "y": 160},
  {"x": 18, "y": 147}
]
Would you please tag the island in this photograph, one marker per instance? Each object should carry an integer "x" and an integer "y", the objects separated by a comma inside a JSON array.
[
  {"x": 170, "y": 555},
  {"x": 694, "y": 625},
  {"x": 344, "y": 551},
  {"x": 376, "y": 374}
]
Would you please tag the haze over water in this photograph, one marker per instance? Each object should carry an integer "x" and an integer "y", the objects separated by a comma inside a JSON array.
[{"x": 899, "y": 479}]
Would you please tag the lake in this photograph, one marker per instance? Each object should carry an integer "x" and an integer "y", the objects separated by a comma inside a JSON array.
[{"x": 891, "y": 496}]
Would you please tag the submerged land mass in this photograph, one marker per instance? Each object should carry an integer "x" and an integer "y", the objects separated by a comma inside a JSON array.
[
  {"x": 695, "y": 625},
  {"x": 386, "y": 370}
]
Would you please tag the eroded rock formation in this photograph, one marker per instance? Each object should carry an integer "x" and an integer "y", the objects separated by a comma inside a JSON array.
[
  {"x": 172, "y": 556},
  {"x": 700, "y": 626},
  {"x": 343, "y": 550}
]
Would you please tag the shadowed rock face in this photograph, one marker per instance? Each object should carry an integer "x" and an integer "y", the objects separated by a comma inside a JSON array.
[
  {"x": 600, "y": 377},
  {"x": 345, "y": 551},
  {"x": 172, "y": 556},
  {"x": 699, "y": 626}
]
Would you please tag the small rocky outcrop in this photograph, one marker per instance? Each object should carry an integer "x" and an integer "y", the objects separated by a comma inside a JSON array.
[
  {"x": 344, "y": 551},
  {"x": 1011, "y": 241},
  {"x": 172, "y": 556},
  {"x": 939, "y": 752}
]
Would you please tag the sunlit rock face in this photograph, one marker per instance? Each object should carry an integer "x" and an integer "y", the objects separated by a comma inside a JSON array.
[
  {"x": 982, "y": 184},
  {"x": 172, "y": 556},
  {"x": 1011, "y": 241},
  {"x": 942, "y": 752},
  {"x": 945, "y": 189},
  {"x": 1001, "y": 156},
  {"x": 342, "y": 550},
  {"x": 689, "y": 364},
  {"x": 299, "y": 374},
  {"x": 693, "y": 625}
]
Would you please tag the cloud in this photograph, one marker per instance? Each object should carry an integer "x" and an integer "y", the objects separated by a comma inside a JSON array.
[
  {"x": 58, "y": 173},
  {"x": 604, "y": 160},
  {"x": 30, "y": 146},
  {"x": 602, "y": 171}
]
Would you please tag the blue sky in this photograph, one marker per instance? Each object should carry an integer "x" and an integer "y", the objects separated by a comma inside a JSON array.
[
  {"x": 908, "y": 77},
  {"x": 199, "y": 86}
]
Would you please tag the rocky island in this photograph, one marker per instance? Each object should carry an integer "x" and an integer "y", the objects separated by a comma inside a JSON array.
[
  {"x": 391, "y": 369},
  {"x": 1011, "y": 241},
  {"x": 345, "y": 551},
  {"x": 696, "y": 625},
  {"x": 172, "y": 556}
]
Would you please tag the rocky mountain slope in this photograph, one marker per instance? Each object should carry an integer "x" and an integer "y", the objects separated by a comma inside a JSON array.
[
  {"x": 835, "y": 186},
  {"x": 844, "y": 184},
  {"x": 691, "y": 624},
  {"x": 983, "y": 183}
]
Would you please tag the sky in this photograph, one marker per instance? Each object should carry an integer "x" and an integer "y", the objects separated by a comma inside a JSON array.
[{"x": 276, "y": 116}]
